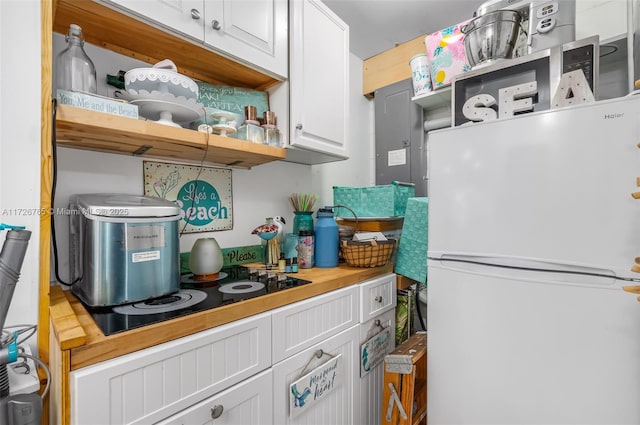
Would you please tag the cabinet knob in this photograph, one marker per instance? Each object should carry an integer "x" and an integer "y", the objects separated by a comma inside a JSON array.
[
  {"x": 215, "y": 25},
  {"x": 216, "y": 411},
  {"x": 299, "y": 127},
  {"x": 378, "y": 298},
  {"x": 195, "y": 14}
]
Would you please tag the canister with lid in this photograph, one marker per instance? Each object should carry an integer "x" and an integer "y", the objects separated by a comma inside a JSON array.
[
  {"x": 326, "y": 229},
  {"x": 250, "y": 130},
  {"x": 306, "y": 248},
  {"x": 420, "y": 74}
]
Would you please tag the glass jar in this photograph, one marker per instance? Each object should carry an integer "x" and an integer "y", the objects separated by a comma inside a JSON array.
[
  {"x": 250, "y": 130},
  {"x": 74, "y": 70},
  {"x": 302, "y": 220},
  {"x": 271, "y": 132}
]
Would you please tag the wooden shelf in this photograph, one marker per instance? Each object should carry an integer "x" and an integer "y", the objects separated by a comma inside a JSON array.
[
  {"x": 434, "y": 99},
  {"x": 85, "y": 129},
  {"x": 390, "y": 66},
  {"x": 115, "y": 31}
]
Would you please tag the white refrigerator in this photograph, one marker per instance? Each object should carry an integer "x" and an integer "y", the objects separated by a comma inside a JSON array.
[{"x": 533, "y": 231}]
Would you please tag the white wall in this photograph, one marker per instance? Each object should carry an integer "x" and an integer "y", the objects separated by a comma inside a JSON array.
[
  {"x": 20, "y": 57},
  {"x": 257, "y": 193}
]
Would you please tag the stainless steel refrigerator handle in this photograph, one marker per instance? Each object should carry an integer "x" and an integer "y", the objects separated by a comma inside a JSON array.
[{"x": 530, "y": 265}]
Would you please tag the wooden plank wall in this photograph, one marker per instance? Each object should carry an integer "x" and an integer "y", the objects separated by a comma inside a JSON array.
[{"x": 390, "y": 66}]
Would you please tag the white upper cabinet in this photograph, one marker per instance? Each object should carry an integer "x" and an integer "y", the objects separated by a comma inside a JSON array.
[
  {"x": 256, "y": 28},
  {"x": 319, "y": 84},
  {"x": 254, "y": 32},
  {"x": 181, "y": 16}
]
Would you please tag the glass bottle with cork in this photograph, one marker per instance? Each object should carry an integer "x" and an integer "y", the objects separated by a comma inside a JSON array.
[
  {"x": 74, "y": 69},
  {"x": 271, "y": 133},
  {"x": 250, "y": 130}
]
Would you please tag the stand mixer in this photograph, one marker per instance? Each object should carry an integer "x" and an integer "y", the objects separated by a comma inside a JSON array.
[{"x": 547, "y": 23}]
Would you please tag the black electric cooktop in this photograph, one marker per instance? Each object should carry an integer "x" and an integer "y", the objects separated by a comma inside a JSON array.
[{"x": 234, "y": 284}]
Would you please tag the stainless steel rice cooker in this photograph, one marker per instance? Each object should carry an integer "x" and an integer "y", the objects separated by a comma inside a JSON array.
[{"x": 123, "y": 248}]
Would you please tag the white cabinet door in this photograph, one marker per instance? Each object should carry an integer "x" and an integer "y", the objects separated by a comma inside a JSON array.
[
  {"x": 339, "y": 406},
  {"x": 247, "y": 403},
  {"x": 152, "y": 384},
  {"x": 377, "y": 296},
  {"x": 183, "y": 16},
  {"x": 300, "y": 325},
  {"x": 254, "y": 31},
  {"x": 372, "y": 380},
  {"x": 319, "y": 83}
]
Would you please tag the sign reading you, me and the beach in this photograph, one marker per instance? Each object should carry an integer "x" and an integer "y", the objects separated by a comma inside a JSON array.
[{"x": 203, "y": 194}]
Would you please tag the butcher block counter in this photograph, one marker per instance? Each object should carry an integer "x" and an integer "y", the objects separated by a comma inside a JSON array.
[
  {"x": 82, "y": 343},
  {"x": 77, "y": 343}
]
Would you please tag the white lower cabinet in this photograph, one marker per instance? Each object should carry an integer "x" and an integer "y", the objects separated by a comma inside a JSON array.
[
  {"x": 247, "y": 403},
  {"x": 309, "y": 336},
  {"x": 152, "y": 384},
  {"x": 377, "y": 296},
  {"x": 328, "y": 400},
  {"x": 242, "y": 373},
  {"x": 306, "y": 323},
  {"x": 378, "y": 301},
  {"x": 372, "y": 378}
]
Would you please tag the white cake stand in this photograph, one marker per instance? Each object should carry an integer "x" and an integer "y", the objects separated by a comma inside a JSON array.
[
  {"x": 224, "y": 125},
  {"x": 169, "y": 113},
  {"x": 161, "y": 80},
  {"x": 223, "y": 130}
]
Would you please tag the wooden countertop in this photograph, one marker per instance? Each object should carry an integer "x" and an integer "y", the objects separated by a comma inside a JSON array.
[{"x": 76, "y": 331}]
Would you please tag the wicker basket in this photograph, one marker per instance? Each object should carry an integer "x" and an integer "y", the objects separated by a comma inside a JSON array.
[{"x": 367, "y": 253}]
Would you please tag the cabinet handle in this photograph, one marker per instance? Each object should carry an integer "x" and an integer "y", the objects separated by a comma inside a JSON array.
[
  {"x": 215, "y": 25},
  {"x": 216, "y": 411},
  {"x": 195, "y": 14},
  {"x": 378, "y": 298},
  {"x": 299, "y": 127}
]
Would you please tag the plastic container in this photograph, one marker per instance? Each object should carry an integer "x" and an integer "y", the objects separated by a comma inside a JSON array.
[
  {"x": 74, "y": 69},
  {"x": 306, "y": 246},
  {"x": 420, "y": 74},
  {"x": 373, "y": 201},
  {"x": 326, "y": 230}
]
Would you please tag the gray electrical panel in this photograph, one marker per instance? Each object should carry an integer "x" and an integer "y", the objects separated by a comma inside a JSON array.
[{"x": 399, "y": 137}]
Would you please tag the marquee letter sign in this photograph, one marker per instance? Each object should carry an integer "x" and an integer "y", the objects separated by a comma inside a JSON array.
[
  {"x": 573, "y": 90},
  {"x": 517, "y": 98},
  {"x": 478, "y": 108}
]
